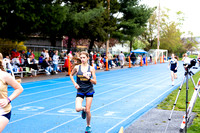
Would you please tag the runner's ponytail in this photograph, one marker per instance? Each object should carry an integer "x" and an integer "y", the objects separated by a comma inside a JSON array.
[{"x": 1, "y": 62}]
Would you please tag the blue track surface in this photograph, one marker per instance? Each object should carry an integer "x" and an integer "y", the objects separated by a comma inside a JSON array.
[{"x": 121, "y": 97}]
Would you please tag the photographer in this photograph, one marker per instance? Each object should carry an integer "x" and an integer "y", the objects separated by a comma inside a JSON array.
[{"x": 173, "y": 64}]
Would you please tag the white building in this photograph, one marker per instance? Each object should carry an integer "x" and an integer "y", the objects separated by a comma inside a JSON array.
[{"x": 119, "y": 47}]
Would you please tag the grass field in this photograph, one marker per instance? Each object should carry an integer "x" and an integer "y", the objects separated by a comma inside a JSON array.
[{"x": 167, "y": 104}]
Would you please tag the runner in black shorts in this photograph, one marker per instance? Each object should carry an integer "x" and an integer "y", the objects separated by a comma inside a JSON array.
[
  {"x": 173, "y": 64},
  {"x": 84, "y": 86}
]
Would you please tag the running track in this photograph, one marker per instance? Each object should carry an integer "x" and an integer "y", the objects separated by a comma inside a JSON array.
[{"x": 121, "y": 97}]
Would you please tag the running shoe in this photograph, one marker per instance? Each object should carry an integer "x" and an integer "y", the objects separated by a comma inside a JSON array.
[
  {"x": 83, "y": 114},
  {"x": 172, "y": 83},
  {"x": 88, "y": 129}
]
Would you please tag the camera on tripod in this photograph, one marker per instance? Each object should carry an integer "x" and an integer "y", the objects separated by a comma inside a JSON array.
[{"x": 188, "y": 63}]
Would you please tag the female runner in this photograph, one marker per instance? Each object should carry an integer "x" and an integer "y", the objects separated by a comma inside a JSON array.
[
  {"x": 173, "y": 64},
  {"x": 84, "y": 86},
  {"x": 5, "y": 100}
]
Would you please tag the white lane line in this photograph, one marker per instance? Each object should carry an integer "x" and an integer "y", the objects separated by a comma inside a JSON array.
[
  {"x": 45, "y": 91},
  {"x": 70, "y": 114},
  {"x": 140, "y": 109},
  {"x": 41, "y": 86}
]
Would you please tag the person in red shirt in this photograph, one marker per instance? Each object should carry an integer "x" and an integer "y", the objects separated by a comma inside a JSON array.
[
  {"x": 33, "y": 55},
  {"x": 94, "y": 56}
]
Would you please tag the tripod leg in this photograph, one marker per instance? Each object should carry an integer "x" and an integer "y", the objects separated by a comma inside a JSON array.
[
  {"x": 199, "y": 95},
  {"x": 186, "y": 106},
  {"x": 190, "y": 108},
  {"x": 192, "y": 80},
  {"x": 169, "y": 119}
]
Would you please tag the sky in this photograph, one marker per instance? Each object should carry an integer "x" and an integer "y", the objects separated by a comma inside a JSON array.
[{"x": 190, "y": 8}]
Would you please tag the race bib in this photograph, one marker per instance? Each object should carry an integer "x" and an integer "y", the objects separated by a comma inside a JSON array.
[{"x": 88, "y": 74}]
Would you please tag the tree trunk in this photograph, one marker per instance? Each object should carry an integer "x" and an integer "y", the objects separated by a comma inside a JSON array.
[
  {"x": 131, "y": 45},
  {"x": 53, "y": 41},
  {"x": 91, "y": 45},
  {"x": 152, "y": 43},
  {"x": 69, "y": 44}
]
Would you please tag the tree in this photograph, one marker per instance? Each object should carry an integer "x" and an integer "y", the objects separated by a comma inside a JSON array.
[
  {"x": 81, "y": 13},
  {"x": 170, "y": 33},
  {"x": 134, "y": 20},
  {"x": 21, "y": 19},
  {"x": 190, "y": 43},
  {"x": 148, "y": 36},
  {"x": 170, "y": 38},
  {"x": 6, "y": 46}
]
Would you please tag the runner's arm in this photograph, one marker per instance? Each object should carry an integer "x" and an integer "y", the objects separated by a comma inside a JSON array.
[
  {"x": 177, "y": 64},
  {"x": 93, "y": 81},
  {"x": 18, "y": 90},
  {"x": 169, "y": 64},
  {"x": 72, "y": 74}
]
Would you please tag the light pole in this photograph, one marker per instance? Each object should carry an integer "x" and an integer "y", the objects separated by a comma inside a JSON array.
[
  {"x": 107, "y": 42},
  {"x": 158, "y": 37}
]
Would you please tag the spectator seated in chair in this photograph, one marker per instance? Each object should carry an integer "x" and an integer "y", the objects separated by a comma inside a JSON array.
[
  {"x": 47, "y": 66},
  {"x": 32, "y": 63}
]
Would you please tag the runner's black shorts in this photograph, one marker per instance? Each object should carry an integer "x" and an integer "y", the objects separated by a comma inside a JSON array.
[
  {"x": 82, "y": 95},
  {"x": 8, "y": 115},
  {"x": 174, "y": 70}
]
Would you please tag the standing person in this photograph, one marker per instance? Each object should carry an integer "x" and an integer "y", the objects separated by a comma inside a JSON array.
[
  {"x": 5, "y": 100},
  {"x": 121, "y": 59},
  {"x": 151, "y": 60},
  {"x": 84, "y": 86},
  {"x": 110, "y": 58},
  {"x": 55, "y": 62},
  {"x": 173, "y": 64},
  {"x": 144, "y": 59},
  {"x": 133, "y": 58}
]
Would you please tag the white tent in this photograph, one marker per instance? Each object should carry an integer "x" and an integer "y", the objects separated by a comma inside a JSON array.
[{"x": 157, "y": 53}]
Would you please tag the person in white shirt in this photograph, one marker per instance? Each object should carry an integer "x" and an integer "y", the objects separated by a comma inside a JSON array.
[
  {"x": 43, "y": 53},
  {"x": 55, "y": 62},
  {"x": 121, "y": 59},
  {"x": 46, "y": 54}
]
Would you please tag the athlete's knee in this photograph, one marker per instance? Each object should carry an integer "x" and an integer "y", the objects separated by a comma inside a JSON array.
[
  {"x": 87, "y": 110},
  {"x": 78, "y": 109}
]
